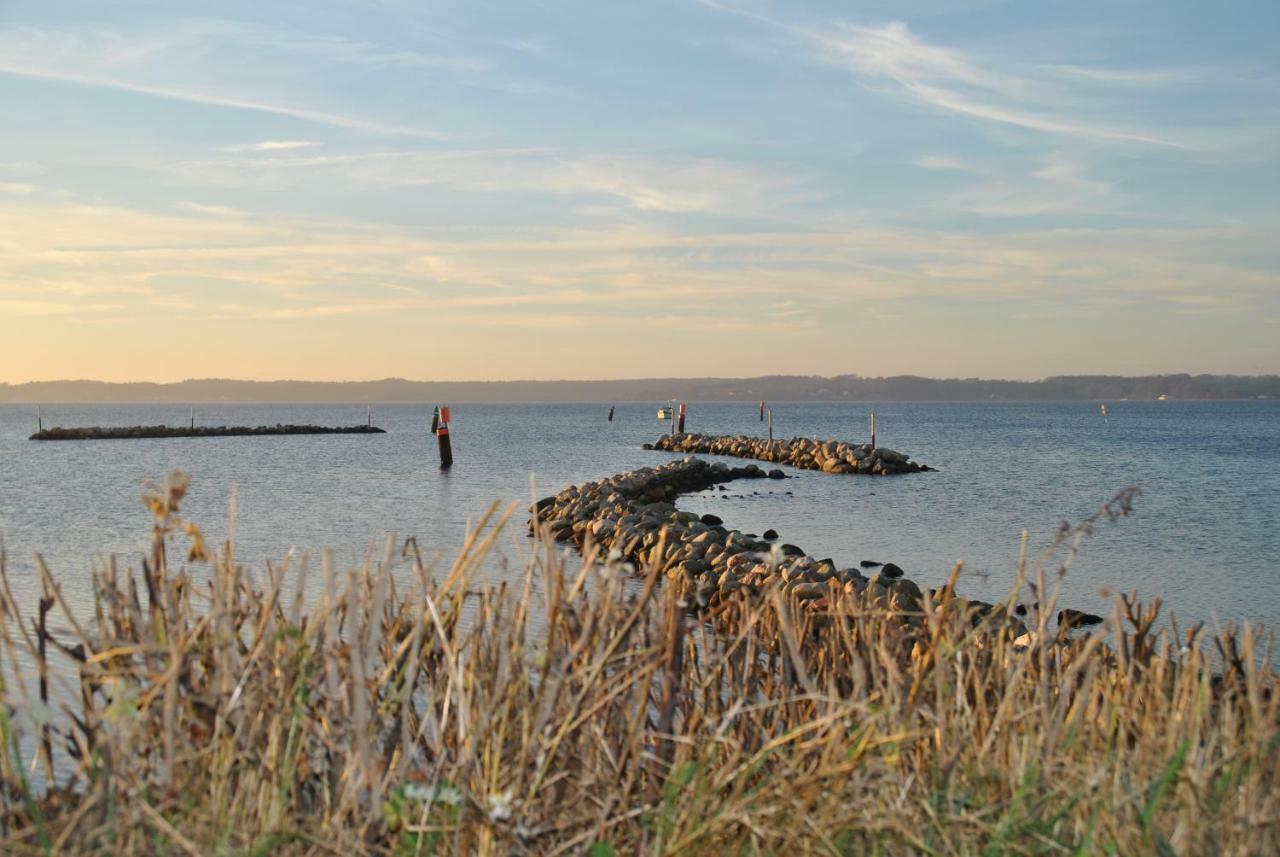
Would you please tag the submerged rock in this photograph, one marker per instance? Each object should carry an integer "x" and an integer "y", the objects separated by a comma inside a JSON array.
[{"x": 1077, "y": 618}]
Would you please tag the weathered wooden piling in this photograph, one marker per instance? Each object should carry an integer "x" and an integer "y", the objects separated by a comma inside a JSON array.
[
  {"x": 611, "y": 413},
  {"x": 681, "y": 419},
  {"x": 873, "y": 429},
  {"x": 442, "y": 436}
]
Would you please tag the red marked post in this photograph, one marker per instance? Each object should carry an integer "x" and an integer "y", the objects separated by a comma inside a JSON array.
[{"x": 442, "y": 435}]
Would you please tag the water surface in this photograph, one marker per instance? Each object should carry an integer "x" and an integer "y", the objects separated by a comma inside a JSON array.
[{"x": 1203, "y": 537}]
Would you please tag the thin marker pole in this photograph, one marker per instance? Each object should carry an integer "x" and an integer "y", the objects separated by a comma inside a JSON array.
[
  {"x": 682, "y": 414},
  {"x": 442, "y": 435},
  {"x": 39, "y": 419},
  {"x": 762, "y": 410},
  {"x": 193, "y": 418},
  {"x": 611, "y": 413},
  {"x": 771, "y": 425},
  {"x": 873, "y": 429}
]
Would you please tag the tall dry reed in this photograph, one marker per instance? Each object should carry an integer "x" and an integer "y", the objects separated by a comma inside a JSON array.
[{"x": 201, "y": 710}]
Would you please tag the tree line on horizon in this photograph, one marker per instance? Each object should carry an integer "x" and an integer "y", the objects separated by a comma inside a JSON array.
[{"x": 770, "y": 388}]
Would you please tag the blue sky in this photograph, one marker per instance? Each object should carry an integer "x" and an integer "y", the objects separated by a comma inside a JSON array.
[{"x": 435, "y": 190}]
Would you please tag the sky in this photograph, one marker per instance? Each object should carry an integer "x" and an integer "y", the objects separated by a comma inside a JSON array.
[{"x": 463, "y": 191}]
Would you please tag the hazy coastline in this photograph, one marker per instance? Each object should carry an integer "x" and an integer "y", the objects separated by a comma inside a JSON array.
[{"x": 776, "y": 388}]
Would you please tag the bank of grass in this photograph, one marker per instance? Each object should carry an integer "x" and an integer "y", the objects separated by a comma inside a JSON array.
[{"x": 213, "y": 711}]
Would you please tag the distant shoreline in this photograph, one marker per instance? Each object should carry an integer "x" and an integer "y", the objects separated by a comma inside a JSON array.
[
  {"x": 596, "y": 402},
  {"x": 773, "y": 388}
]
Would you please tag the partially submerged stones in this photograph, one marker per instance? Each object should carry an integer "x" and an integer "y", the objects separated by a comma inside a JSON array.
[
  {"x": 633, "y": 517},
  {"x": 1069, "y": 618},
  {"x": 807, "y": 454},
  {"x": 141, "y": 432}
]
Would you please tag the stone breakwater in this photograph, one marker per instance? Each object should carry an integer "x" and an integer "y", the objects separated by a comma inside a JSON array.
[
  {"x": 828, "y": 456},
  {"x": 137, "y": 432},
  {"x": 634, "y": 514}
]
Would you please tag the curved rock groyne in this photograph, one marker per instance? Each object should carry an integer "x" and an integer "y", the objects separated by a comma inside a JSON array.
[
  {"x": 138, "y": 432},
  {"x": 634, "y": 514},
  {"x": 828, "y": 456}
]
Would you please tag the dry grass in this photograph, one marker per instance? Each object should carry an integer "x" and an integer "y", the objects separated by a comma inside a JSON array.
[{"x": 591, "y": 715}]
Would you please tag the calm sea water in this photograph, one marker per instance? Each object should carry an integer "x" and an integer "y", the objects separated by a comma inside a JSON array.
[{"x": 1204, "y": 537}]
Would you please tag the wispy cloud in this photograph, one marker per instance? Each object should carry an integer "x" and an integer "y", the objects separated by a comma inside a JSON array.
[
  {"x": 212, "y": 210},
  {"x": 326, "y": 269},
  {"x": 942, "y": 162},
  {"x": 105, "y": 60},
  {"x": 271, "y": 146},
  {"x": 44, "y": 307},
  {"x": 952, "y": 81},
  {"x": 1139, "y": 77},
  {"x": 19, "y": 188},
  {"x": 1054, "y": 184},
  {"x": 318, "y": 117},
  {"x": 667, "y": 185}
]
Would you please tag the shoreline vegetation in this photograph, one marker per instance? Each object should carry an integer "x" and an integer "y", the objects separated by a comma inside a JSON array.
[
  {"x": 599, "y": 708},
  {"x": 138, "y": 432},
  {"x": 773, "y": 388}
]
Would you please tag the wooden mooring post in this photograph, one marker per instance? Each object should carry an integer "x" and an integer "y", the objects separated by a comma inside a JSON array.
[
  {"x": 681, "y": 418},
  {"x": 762, "y": 410},
  {"x": 873, "y": 429},
  {"x": 771, "y": 425},
  {"x": 441, "y": 423}
]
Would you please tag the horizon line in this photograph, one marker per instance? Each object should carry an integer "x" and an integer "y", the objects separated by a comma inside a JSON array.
[{"x": 633, "y": 379}]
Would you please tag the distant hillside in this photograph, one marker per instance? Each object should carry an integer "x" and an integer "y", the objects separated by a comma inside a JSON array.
[{"x": 775, "y": 388}]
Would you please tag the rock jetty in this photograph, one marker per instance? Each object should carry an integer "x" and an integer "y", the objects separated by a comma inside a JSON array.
[
  {"x": 138, "y": 432},
  {"x": 829, "y": 456},
  {"x": 634, "y": 514}
]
